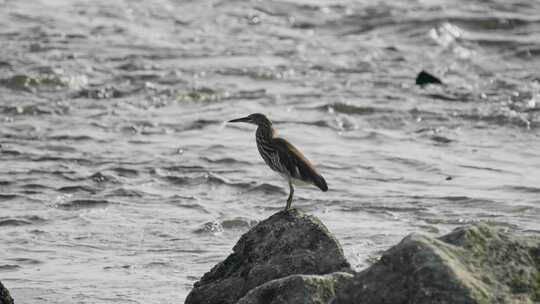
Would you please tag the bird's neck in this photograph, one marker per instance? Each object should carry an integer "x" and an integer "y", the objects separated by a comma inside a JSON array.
[{"x": 265, "y": 132}]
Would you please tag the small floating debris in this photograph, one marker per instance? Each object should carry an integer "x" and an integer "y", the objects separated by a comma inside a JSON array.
[
  {"x": 99, "y": 177},
  {"x": 424, "y": 78}
]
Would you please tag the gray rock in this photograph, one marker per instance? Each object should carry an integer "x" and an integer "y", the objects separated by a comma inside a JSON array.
[
  {"x": 472, "y": 264},
  {"x": 5, "y": 297},
  {"x": 298, "y": 289},
  {"x": 287, "y": 243}
]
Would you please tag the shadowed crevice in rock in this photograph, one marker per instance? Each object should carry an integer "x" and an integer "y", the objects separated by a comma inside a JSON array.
[
  {"x": 5, "y": 297},
  {"x": 473, "y": 264},
  {"x": 286, "y": 243}
]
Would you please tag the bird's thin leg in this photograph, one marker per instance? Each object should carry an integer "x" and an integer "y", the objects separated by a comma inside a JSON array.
[{"x": 289, "y": 200}]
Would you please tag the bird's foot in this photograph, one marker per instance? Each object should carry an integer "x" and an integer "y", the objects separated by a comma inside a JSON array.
[{"x": 289, "y": 203}]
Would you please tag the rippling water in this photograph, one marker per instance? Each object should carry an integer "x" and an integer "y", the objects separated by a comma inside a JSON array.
[{"x": 121, "y": 183}]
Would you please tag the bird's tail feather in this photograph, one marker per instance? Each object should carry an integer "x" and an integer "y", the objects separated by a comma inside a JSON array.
[{"x": 320, "y": 182}]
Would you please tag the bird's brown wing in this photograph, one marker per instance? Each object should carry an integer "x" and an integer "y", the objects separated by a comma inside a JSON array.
[{"x": 296, "y": 164}]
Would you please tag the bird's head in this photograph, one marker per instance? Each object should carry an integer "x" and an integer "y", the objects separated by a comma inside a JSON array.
[{"x": 255, "y": 118}]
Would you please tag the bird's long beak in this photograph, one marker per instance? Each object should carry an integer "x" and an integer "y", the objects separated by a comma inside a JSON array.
[{"x": 243, "y": 119}]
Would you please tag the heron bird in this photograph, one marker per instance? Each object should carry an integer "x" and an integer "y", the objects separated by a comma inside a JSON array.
[{"x": 282, "y": 157}]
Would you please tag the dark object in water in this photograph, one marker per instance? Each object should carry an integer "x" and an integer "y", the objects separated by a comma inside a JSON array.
[{"x": 424, "y": 78}]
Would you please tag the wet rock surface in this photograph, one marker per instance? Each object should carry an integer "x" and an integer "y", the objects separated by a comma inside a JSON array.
[
  {"x": 285, "y": 244},
  {"x": 298, "y": 289},
  {"x": 292, "y": 258},
  {"x": 5, "y": 297},
  {"x": 473, "y": 264}
]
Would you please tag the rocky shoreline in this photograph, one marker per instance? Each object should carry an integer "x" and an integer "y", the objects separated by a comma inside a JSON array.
[{"x": 293, "y": 258}]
